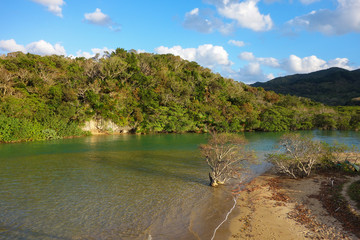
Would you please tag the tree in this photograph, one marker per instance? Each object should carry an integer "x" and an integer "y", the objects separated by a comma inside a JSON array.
[
  {"x": 297, "y": 155},
  {"x": 226, "y": 156}
]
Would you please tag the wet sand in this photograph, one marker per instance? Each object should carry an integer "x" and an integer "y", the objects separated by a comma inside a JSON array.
[{"x": 279, "y": 208}]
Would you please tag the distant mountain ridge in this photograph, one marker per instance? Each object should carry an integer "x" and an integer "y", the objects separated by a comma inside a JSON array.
[{"x": 333, "y": 86}]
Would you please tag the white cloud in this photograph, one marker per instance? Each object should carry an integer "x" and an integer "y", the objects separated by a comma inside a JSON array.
[
  {"x": 206, "y": 55},
  {"x": 250, "y": 73},
  {"x": 54, "y": 6},
  {"x": 253, "y": 68},
  {"x": 194, "y": 21},
  {"x": 44, "y": 48},
  {"x": 236, "y": 43},
  {"x": 94, "y": 51},
  {"x": 194, "y": 12},
  {"x": 247, "y": 56},
  {"x": 269, "y": 61},
  {"x": 246, "y": 14},
  {"x": 101, "y": 19},
  {"x": 270, "y": 76},
  {"x": 98, "y": 18},
  {"x": 40, "y": 47},
  {"x": 295, "y": 64},
  {"x": 341, "y": 63},
  {"x": 11, "y": 46},
  {"x": 204, "y": 21},
  {"x": 344, "y": 19}
]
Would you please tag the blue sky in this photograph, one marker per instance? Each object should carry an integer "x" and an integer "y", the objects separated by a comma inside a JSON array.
[{"x": 247, "y": 40}]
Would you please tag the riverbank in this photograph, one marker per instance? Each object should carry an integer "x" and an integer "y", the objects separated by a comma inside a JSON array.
[{"x": 280, "y": 208}]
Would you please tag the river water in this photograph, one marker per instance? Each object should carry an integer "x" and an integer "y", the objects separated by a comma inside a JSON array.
[{"x": 118, "y": 187}]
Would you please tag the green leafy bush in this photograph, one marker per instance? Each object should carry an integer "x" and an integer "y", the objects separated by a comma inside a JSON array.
[
  {"x": 354, "y": 192},
  {"x": 147, "y": 93}
]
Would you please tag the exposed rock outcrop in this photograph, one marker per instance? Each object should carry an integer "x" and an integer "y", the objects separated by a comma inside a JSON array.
[{"x": 102, "y": 126}]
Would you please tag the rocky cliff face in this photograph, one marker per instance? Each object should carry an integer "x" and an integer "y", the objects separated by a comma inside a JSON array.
[{"x": 101, "y": 126}]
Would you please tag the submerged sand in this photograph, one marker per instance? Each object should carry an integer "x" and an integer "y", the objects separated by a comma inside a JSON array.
[{"x": 276, "y": 208}]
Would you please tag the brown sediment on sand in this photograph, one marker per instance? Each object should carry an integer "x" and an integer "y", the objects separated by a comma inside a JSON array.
[{"x": 271, "y": 207}]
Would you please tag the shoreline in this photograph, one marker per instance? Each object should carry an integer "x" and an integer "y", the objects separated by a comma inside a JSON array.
[{"x": 272, "y": 207}]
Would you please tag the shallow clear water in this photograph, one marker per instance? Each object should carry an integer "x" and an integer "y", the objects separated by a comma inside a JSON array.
[{"x": 117, "y": 187}]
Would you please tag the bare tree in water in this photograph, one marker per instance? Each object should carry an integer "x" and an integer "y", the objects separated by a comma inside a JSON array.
[{"x": 226, "y": 156}]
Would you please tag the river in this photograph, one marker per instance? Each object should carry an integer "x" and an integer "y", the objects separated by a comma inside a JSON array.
[{"x": 118, "y": 187}]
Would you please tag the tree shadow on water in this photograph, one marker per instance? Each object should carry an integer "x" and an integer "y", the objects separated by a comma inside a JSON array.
[{"x": 144, "y": 164}]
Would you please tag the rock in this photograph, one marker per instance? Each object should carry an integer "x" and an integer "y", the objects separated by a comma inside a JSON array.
[{"x": 100, "y": 126}]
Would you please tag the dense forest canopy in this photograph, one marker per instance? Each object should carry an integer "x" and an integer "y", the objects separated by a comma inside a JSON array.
[
  {"x": 333, "y": 86},
  {"x": 47, "y": 97}
]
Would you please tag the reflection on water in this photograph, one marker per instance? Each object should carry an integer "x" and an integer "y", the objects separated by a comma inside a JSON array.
[{"x": 116, "y": 187}]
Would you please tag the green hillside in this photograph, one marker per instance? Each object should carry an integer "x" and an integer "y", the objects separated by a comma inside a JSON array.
[
  {"x": 52, "y": 97},
  {"x": 334, "y": 86}
]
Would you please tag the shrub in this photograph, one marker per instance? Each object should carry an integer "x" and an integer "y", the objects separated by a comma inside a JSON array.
[
  {"x": 354, "y": 192},
  {"x": 297, "y": 155}
]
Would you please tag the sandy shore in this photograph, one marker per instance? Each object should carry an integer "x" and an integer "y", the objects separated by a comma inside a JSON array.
[{"x": 276, "y": 208}]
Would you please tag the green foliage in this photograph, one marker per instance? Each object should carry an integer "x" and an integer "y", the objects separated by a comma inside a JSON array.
[
  {"x": 334, "y": 86},
  {"x": 325, "y": 121},
  {"x": 354, "y": 192},
  {"x": 276, "y": 119},
  {"x": 148, "y": 93}
]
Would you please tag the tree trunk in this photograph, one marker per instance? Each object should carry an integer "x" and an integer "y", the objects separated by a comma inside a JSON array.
[
  {"x": 215, "y": 181},
  {"x": 212, "y": 181}
]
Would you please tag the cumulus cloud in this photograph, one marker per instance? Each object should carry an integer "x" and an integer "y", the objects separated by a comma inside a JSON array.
[
  {"x": 98, "y": 18},
  {"x": 206, "y": 55},
  {"x": 250, "y": 73},
  {"x": 269, "y": 61},
  {"x": 250, "y": 57},
  {"x": 101, "y": 19},
  {"x": 236, "y": 43},
  {"x": 54, "y": 6},
  {"x": 247, "y": 56},
  {"x": 11, "y": 46},
  {"x": 247, "y": 15},
  {"x": 231, "y": 13},
  {"x": 193, "y": 20},
  {"x": 344, "y": 19},
  {"x": 204, "y": 21},
  {"x": 295, "y": 64},
  {"x": 44, "y": 48},
  {"x": 141, "y": 51},
  {"x": 94, "y": 51},
  {"x": 253, "y": 70},
  {"x": 40, "y": 47}
]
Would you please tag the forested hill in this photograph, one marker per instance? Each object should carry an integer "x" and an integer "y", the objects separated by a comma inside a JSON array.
[
  {"x": 334, "y": 86},
  {"x": 54, "y": 96}
]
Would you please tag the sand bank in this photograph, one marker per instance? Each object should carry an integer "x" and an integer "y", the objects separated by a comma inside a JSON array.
[{"x": 278, "y": 208}]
